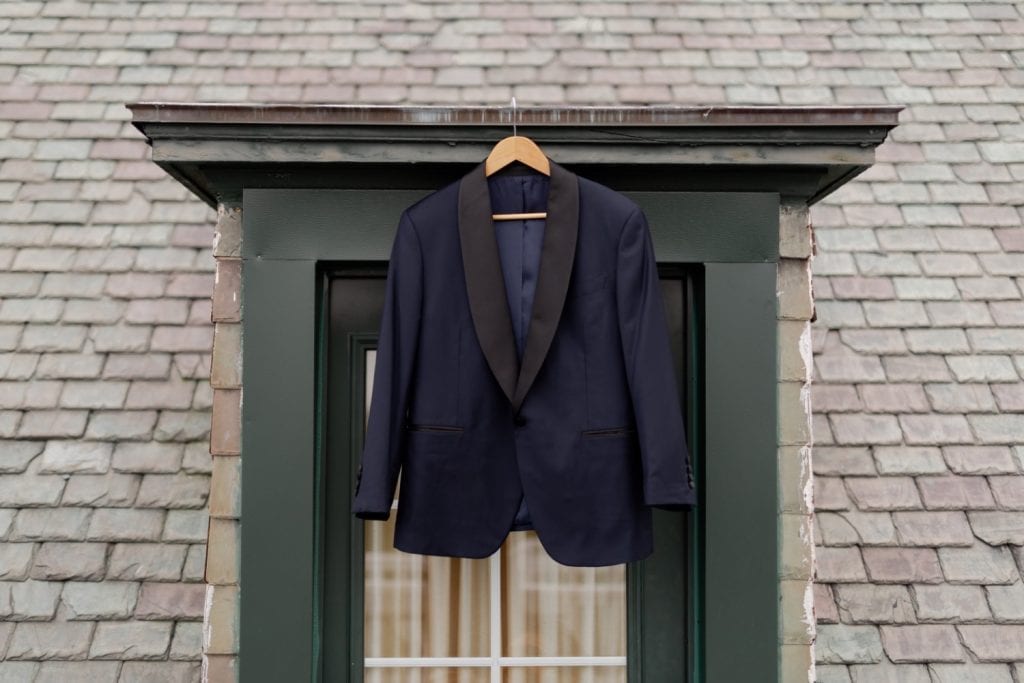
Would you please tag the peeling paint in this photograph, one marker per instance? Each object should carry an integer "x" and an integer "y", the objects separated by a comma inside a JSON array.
[{"x": 207, "y": 609}]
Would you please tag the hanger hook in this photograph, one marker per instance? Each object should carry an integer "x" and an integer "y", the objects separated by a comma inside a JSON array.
[{"x": 513, "y": 115}]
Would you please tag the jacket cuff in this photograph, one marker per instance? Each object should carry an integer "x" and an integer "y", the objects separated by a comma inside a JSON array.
[
  {"x": 680, "y": 500},
  {"x": 378, "y": 515}
]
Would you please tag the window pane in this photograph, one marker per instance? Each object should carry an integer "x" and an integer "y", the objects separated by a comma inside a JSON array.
[
  {"x": 573, "y": 674},
  {"x": 422, "y": 606},
  {"x": 551, "y": 610},
  {"x": 427, "y": 675}
]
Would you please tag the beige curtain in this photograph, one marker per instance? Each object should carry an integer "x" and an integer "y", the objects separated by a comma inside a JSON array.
[{"x": 422, "y": 606}]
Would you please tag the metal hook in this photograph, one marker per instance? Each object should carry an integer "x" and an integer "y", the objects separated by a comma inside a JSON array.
[{"x": 513, "y": 115}]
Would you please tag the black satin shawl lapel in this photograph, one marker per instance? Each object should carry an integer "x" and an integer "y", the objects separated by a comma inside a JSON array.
[
  {"x": 484, "y": 283},
  {"x": 556, "y": 258}
]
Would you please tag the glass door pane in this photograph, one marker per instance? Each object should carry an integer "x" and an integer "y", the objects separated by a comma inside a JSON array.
[{"x": 550, "y": 610}]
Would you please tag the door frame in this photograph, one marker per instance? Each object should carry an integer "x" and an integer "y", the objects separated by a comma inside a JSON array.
[{"x": 287, "y": 234}]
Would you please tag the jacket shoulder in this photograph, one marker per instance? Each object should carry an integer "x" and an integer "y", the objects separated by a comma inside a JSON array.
[
  {"x": 615, "y": 205},
  {"x": 434, "y": 206}
]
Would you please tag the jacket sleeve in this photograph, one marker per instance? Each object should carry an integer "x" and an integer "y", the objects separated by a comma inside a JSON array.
[
  {"x": 667, "y": 472},
  {"x": 378, "y": 470}
]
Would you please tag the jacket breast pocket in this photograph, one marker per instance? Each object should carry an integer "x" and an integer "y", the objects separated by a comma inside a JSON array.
[{"x": 589, "y": 284}]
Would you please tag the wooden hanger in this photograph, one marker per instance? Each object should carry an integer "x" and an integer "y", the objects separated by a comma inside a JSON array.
[{"x": 524, "y": 150}]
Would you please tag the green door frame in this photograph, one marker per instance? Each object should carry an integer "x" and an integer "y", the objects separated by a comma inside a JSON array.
[{"x": 288, "y": 233}]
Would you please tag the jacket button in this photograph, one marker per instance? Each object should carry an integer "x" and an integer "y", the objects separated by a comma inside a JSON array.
[{"x": 519, "y": 420}]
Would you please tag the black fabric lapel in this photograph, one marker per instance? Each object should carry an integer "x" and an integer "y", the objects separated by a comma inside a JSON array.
[
  {"x": 484, "y": 284},
  {"x": 556, "y": 258},
  {"x": 486, "y": 287}
]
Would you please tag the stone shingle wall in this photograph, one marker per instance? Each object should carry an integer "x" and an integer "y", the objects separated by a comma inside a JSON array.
[{"x": 105, "y": 314}]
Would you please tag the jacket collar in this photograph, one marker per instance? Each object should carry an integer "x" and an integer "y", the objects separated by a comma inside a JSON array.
[{"x": 486, "y": 287}]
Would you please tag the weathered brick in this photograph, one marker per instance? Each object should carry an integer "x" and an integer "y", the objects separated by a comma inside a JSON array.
[
  {"x": 960, "y": 398},
  {"x": 227, "y": 291},
  {"x": 839, "y": 565},
  {"x": 53, "y": 424},
  {"x": 98, "y": 394},
  {"x": 830, "y": 494},
  {"x": 843, "y": 644},
  {"x": 895, "y": 314},
  {"x": 884, "y": 493},
  {"x": 894, "y": 397},
  {"x": 994, "y": 643},
  {"x": 1010, "y": 397},
  {"x": 94, "y": 672},
  {"x": 849, "y": 367},
  {"x": 947, "y": 313},
  {"x": 56, "y": 561},
  {"x": 884, "y": 341},
  {"x": 116, "y": 425},
  {"x": 101, "y": 490},
  {"x": 1007, "y": 428},
  {"x": 980, "y": 564},
  {"x": 69, "y": 365},
  {"x": 132, "y": 284},
  {"x": 865, "y": 429},
  {"x": 998, "y": 527},
  {"x": 51, "y": 524},
  {"x": 137, "y": 366},
  {"x": 186, "y": 525},
  {"x": 47, "y": 337},
  {"x": 909, "y": 460},
  {"x": 195, "y": 563},
  {"x": 983, "y": 369},
  {"x": 226, "y": 367},
  {"x": 15, "y": 560},
  {"x": 1008, "y": 491},
  {"x": 50, "y": 640},
  {"x": 838, "y": 460},
  {"x": 131, "y": 640},
  {"x": 1007, "y": 602},
  {"x": 951, "y": 603},
  {"x": 171, "y": 601},
  {"x": 871, "y": 604},
  {"x": 33, "y": 600},
  {"x": 927, "y": 368},
  {"x": 176, "y": 425},
  {"x": 825, "y": 610},
  {"x": 99, "y": 600},
  {"x": 903, "y": 565},
  {"x": 172, "y": 672},
  {"x": 980, "y": 459},
  {"x": 922, "y": 643},
  {"x": 121, "y": 338},
  {"x": 935, "y": 429},
  {"x": 173, "y": 491},
  {"x": 931, "y": 528},
  {"x": 187, "y": 644},
  {"x": 147, "y": 561},
  {"x": 884, "y": 672},
  {"x": 66, "y": 457},
  {"x": 955, "y": 493}
]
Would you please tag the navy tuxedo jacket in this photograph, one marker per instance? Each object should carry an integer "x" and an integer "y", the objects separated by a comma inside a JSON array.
[{"x": 524, "y": 377}]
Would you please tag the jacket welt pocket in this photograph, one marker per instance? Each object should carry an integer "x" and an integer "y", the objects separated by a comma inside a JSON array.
[
  {"x": 611, "y": 431},
  {"x": 446, "y": 429}
]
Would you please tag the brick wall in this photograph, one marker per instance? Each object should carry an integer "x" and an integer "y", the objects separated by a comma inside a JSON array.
[{"x": 105, "y": 331}]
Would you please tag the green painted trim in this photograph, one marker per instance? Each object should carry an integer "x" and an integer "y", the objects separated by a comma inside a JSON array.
[
  {"x": 277, "y": 553},
  {"x": 741, "y": 535},
  {"x": 359, "y": 225},
  {"x": 694, "y": 407}
]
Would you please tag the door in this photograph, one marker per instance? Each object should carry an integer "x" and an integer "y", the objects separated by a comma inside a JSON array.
[{"x": 518, "y": 616}]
